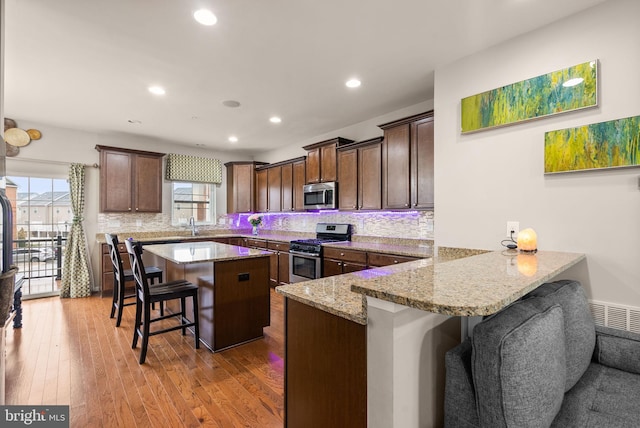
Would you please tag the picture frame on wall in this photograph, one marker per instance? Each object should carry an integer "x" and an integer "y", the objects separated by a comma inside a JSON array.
[
  {"x": 561, "y": 91},
  {"x": 610, "y": 144}
]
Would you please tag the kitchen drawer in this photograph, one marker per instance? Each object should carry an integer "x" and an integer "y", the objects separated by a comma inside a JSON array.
[
  {"x": 258, "y": 243},
  {"x": 279, "y": 246},
  {"x": 345, "y": 255},
  {"x": 380, "y": 259}
]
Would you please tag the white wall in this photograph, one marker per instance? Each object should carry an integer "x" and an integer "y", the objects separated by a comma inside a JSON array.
[{"x": 486, "y": 178}]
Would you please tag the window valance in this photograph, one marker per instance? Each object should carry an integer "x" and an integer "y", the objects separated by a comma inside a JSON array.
[{"x": 193, "y": 169}]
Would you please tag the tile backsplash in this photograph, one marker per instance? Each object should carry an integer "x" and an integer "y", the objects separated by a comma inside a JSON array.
[{"x": 393, "y": 224}]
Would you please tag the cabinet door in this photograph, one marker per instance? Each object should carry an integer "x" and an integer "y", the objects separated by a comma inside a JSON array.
[
  {"x": 262, "y": 187},
  {"x": 352, "y": 267},
  {"x": 313, "y": 166},
  {"x": 242, "y": 189},
  {"x": 273, "y": 269},
  {"x": 299, "y": 178},
  {"x": 422, "y": 163},
  {"x": 328, "y": 166},
  {"x": 115, "y": 181},
  {"x": 348, "y": 178},
  {"x": 274, "y": 200},
  {"x": 396, "y": 185},
  {"x": 283, "y": 267},
  {"x": 287, "y": 187},
  {"x": 331, "y": 267},
  {"x": 369, "y": 177},
  {"x": 148, "y": 184}
]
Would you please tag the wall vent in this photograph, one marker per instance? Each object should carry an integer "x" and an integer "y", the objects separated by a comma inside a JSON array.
[{"x": 616, "y": 316}]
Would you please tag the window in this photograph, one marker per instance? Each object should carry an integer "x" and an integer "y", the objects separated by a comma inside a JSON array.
[{"x": 195, "y": 200}]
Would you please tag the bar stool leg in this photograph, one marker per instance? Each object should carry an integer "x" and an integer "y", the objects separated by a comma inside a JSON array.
[
  {"x": 196, "y": 320},
  {"x": 146, "y": 327},
  {"x": 136, "y": 325},
  {"x": 115, "y": 297}
]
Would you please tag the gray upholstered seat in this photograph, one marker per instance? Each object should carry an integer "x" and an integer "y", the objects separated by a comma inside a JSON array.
[{"x": 542, "y": 362}]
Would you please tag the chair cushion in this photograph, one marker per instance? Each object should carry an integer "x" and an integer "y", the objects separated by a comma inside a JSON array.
[
  {"x": 603, "y": 397},
  {"x": 579, "y": 328},
  {"x": 519, "y": 367}
]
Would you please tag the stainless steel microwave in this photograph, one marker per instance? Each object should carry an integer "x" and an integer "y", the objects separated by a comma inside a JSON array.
[{"x": 321, "y": 196}]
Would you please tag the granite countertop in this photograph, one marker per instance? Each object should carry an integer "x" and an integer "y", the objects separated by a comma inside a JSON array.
[
  {"x": 172, "y": 236},
  {"x": 477, "y": 285},
  {"x": 196, "y": 252}
]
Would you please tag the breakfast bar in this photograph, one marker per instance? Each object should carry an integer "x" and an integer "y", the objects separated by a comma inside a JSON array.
[
  {"x": 233, "y": 288},
  {"x": 414, "y": 312}
]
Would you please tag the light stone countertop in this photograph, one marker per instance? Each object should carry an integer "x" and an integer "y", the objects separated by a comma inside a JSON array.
[
  {"x": 472, "y": 286},
  {"x": 197, "y": 252}
]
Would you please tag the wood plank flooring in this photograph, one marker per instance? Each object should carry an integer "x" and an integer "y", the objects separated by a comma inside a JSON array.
[{"x": 70, "y": 352}]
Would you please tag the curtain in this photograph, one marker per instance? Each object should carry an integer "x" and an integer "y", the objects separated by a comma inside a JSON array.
[
  {"x": 76, "y": 272},
  {"x": 193, "y": 169}
]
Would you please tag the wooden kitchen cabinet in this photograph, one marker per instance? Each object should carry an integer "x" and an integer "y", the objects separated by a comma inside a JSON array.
[
  {"x": 274, "y": 180},
  {"x": 383, "y": 259},
  {"x": 322, "y": 161},
  {"x": 336, "y": 261},
  {"x": 280, "y": 263},
  {"x": 293, "y": 179},
  {"x": 241, "y": 186},
  {"x": 407, "y": 163},
  {"x": 262, "y": 191},
  {"x": 360, "y": 175},
  {"x": 130, "y": 180}
]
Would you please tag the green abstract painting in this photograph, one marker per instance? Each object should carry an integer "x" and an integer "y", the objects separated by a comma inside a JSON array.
[
  {"x": 611, "y": 144},
  {"x": 557, "y": 92}
]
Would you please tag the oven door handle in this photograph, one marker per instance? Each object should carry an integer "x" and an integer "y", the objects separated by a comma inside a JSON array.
[{"x": 301, "y": 253}]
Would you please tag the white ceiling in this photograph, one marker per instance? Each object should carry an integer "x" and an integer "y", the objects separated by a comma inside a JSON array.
[{"x": 86, "y": 64}]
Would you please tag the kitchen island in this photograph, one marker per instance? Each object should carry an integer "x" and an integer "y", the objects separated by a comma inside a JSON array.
[
  {"x": 412, "y": 313},
  {"x": 233, "y": 288}
]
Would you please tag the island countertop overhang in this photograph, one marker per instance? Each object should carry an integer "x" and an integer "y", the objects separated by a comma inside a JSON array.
[{"x": 472, "y": 286}]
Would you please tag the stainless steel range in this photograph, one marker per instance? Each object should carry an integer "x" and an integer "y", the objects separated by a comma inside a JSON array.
[{"x": 305, "y": 255}]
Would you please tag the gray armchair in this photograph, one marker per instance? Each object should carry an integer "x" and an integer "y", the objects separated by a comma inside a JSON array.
[{"x": 541, "y": 362}]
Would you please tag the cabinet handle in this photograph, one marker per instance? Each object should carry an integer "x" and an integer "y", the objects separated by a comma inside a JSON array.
[
  {"x": 129, "y": 208},
  {"x": 395, "y": 261},
  {"x": 342, "y": 254},
  {"x": 406, "y": 205},
  {"x": 354, "y": 207},
  {"x": 136, "y": 208}
]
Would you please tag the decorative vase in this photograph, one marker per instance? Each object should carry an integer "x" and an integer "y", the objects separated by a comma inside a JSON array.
[{"x": 255, "y": 230}]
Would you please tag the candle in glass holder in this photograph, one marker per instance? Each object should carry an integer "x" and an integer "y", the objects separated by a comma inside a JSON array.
[{"x": 528, "y": 240}]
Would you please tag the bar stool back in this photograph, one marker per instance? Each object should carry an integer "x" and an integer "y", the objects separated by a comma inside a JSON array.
[
  {"x": 145, "y": 296},
  {"x": 121, "y": 276}
]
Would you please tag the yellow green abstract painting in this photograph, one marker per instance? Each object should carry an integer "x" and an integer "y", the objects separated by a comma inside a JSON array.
[
  {"x": 557, "y": 92},
  {"x": 611, "y": 144}
]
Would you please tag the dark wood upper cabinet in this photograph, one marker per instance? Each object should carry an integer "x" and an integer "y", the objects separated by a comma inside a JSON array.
[
  {"x": 130, "y": 180},
  {"x": 322, "y": 161},
  {"x": 262, "y": 190},
  {"x": 274, "y": 178},
  {"x": 299, "y": 179},
  {"x": 241, "y": 186},
  {"x": 407, "y": 163},
  {"x": 287, "y": 187},
  {"x": 360, "y": 175}
]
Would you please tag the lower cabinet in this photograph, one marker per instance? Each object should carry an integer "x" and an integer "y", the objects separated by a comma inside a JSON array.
[
  {"x": 338, "y": 261},
  {"x": 106, "y": 277},
  {"x": 279, "y": 263},
  {"x": 325, "y": 369}
]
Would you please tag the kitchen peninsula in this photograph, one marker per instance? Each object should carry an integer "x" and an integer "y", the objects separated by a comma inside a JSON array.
[
  {"x": 233, "y": 286},
  {"x": 406, "y": 317}
]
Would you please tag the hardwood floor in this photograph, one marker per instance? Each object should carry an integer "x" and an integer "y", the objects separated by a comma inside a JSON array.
[{"x": 70, "y": 352}]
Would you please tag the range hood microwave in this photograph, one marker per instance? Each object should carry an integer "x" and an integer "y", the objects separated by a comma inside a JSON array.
[{"x": 321, "y": 196}]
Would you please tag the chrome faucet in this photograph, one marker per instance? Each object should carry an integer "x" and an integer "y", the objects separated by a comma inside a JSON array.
[{"x": 192, "y": 225}]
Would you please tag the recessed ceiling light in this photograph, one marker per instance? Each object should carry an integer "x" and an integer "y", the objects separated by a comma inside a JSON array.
[
  {"x": 573, "y": 82},
  {"x": 157, "y": 90},
  {"x": 231, "y": 103},
  {"x": 205, "y": 17},
  {"x": 233, "y": 139},
  {"x": 275, "y": 119},
  {"x": 353, "y": 83}
]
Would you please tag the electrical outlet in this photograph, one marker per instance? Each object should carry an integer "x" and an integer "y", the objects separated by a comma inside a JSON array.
[{"x": 513, "y": 226}]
